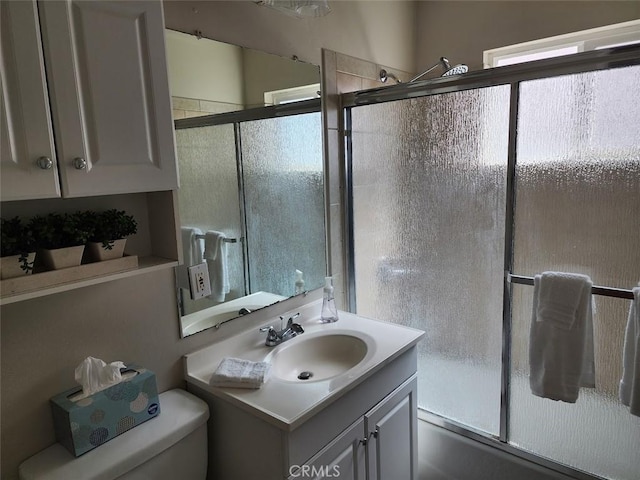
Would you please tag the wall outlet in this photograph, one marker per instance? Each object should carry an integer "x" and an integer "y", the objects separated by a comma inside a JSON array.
[{"x": 199, "y": 281}]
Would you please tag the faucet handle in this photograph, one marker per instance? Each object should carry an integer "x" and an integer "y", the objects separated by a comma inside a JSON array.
[
  {"x": 272, "y": 335},
  {"x": 291, "y": 319}
]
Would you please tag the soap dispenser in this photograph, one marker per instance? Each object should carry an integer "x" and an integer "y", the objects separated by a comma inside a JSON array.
[
  {"x": 299, "y": 283},
  {"x": 329, "y": 312}
]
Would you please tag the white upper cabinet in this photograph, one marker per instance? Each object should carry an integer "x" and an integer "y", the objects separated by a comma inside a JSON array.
[
  {"x": 109, "y": 98},
  {"x": 27, "y": 157}
]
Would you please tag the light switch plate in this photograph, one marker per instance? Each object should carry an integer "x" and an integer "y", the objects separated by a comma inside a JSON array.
[{"x": 199, "y": 281}]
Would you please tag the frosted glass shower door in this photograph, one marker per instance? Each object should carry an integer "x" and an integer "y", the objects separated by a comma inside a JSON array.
[
  {"x": 284, "y": 202},
  {"x": 429, "y": 189},
  {"x": 578, "y": 210},
  {"x": 209, "y": 199}
]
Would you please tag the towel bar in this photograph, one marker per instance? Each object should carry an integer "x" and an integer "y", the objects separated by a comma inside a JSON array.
[
  {"x": 595, "y": 290},
  {"x": 225, "y": 240}
]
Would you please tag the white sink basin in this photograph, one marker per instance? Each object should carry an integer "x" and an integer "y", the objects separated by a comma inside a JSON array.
[{"x": 309, "y": 359}]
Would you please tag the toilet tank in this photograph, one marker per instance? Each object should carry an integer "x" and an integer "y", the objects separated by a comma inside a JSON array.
[{"x": 172, "y": 445}]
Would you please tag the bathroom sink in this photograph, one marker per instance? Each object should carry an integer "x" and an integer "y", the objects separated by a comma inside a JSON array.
[
  {"x": 333, "y": 357},
  {"x": 316, "y": 358}
]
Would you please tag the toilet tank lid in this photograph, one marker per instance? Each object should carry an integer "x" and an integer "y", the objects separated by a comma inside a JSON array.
[{"x": 181, "y": 413}]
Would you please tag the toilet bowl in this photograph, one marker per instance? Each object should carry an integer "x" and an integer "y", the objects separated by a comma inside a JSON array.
[{"x": 170, "y": 446}]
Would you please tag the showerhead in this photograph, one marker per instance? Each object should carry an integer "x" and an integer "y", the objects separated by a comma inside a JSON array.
[{"x": 457, "y": 70}]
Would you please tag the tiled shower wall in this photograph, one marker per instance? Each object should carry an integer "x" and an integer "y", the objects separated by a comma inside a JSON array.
[{"x": 341, "y": 74}]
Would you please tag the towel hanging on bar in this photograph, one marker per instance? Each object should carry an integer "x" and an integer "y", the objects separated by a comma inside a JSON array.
[
  {"x": 595, "y": 290},
  {"x": 561, "y": 348}
]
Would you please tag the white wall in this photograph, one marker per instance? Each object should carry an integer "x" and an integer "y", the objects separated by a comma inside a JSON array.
[{"x": 204, "y": 69}]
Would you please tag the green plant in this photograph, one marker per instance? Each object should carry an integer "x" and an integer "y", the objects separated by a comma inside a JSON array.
[
  {"x": 55, "y": 230},
  {"x": 109, "y": 225},
  {"x": 17, "y": 239}
]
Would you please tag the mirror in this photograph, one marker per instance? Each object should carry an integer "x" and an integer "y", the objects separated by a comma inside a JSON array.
[{"x": 251, "y": 197}]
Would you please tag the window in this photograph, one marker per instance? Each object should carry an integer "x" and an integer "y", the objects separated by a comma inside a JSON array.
[
  {"x": 290, "y": 95},
  {"x": 619, "y": 34}
]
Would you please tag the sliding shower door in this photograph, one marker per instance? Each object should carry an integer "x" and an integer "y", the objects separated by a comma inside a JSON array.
[
  {"x": 578, "y": 210},
  {"x": 209, "y": 199},
  {"x": 429, "y": 188},
  {"x": 283, "y": 189},
  {"x": 460, "y": 192},
  {"x": 256, "y": 176}
]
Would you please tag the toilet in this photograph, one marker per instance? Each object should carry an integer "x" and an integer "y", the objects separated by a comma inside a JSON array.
[{"x": 169, "y": 446}]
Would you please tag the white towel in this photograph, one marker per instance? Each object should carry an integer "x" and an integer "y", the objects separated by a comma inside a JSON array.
[
  {"x": 239, "y": 373},
  {"x": 192, "y": 249},
  {"x": 630, "y": 382},
  {"x": 215, "y": 253},
  {"x": 561, "y": 355}
]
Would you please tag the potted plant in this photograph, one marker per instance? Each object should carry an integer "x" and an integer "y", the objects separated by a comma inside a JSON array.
[
  {"x": 17, "y": 249},
  {"x": 107, "y": 233},
  {"x": 60, "y": 238}
]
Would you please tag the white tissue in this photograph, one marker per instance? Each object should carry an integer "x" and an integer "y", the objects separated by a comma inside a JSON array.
[{"x": 95, "y": 375}]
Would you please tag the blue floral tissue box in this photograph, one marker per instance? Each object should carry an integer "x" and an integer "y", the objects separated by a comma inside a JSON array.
[{"x": 87, "y": 423}]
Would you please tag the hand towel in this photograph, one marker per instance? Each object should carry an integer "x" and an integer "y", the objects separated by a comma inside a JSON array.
[
  {"x": 192, "y": 249},
  {"x": 561, "y": 352},
  {"x": 215, "y": 253},
  {"x": 239, "y": 373},
  {"x": 630, "y": 382}
]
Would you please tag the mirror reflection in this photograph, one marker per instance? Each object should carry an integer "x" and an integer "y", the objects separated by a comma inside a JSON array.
[
  {"x": 251, "y": 196},
  {"x": 208, "y": 77}
]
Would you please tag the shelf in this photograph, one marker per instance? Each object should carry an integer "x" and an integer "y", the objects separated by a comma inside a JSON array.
[
  {"x": 93, "y": 276},
  {"x": 156, "y": 245}
]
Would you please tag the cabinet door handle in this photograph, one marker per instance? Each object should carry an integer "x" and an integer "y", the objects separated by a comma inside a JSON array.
[
  {"x": 364, "y": 441},
  {"x": 79, "y": 163},
  {"x": 44, "y": 163}
]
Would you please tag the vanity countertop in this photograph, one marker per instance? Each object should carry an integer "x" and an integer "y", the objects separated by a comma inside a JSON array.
[{"x": 287, "y": 404}]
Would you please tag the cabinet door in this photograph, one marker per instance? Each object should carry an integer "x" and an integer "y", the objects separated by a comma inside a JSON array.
[
  {"x": 391, "y": 427},
  {"x": 107, "y": 73},
  {"x": 343, "y": 458},
  {"x": 27, "y": 157}
]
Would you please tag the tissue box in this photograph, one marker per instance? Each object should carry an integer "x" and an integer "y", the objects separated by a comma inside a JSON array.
[{"x": 87, "y": 423}]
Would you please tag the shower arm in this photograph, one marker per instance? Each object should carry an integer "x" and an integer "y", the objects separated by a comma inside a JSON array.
[{"x": 443, "y": 61}]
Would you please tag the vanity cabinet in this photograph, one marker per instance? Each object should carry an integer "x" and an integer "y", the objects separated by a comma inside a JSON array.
[
  {"x": 108, "y": 102},
  {"x": 369, "y": 432},
  {"x": 380, "y": 445}
]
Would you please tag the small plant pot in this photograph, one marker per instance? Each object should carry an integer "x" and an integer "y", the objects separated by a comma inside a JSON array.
[
  {"x": 96, "y": 252},
  {"x": 61, "y": 257},
  {"x": 11, "y": 266}
]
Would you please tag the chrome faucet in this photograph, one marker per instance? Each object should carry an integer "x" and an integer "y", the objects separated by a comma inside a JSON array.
[{"x": 276, "y": 337}]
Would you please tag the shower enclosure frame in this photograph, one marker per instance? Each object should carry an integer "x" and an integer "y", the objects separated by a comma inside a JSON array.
[
  {"x": 511, "y": 75},
  {"x": 236, "y": 118}
]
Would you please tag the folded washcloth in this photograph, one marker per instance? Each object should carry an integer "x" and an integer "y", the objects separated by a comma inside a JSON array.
[
  {"x": 630, "y": 383},
  {"x": 238, "y": 373},
  {"x": 561, "y": 352}
]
